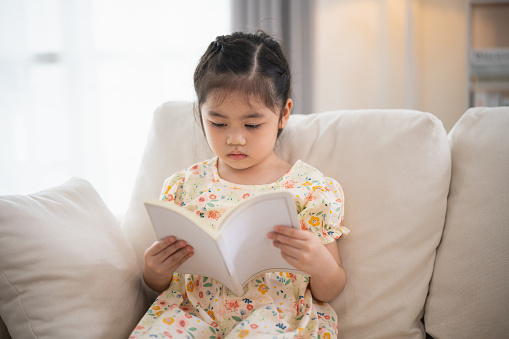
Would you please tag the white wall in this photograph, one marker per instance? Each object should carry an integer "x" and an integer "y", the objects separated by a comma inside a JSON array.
[{"x": 392, "y": 54}]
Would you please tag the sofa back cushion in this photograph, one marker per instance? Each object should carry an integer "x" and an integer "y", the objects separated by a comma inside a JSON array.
[
  {"x": 469, "y": 293},
  {"x": 394, "y": 167},
  {"x": 175, "y": 141}
]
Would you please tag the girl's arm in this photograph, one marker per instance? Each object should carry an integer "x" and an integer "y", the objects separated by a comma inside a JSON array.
[
  {"x": 162, "y": 259},
  {"x": 305, "y": 251},
  {"x": 320, "y": 285}
]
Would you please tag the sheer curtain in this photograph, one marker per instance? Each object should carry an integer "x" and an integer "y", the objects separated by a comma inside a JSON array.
[{"x": 79, "y": 81}]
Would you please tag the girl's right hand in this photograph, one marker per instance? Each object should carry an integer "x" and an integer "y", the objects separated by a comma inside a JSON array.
[{"x": 162, "y": 259}]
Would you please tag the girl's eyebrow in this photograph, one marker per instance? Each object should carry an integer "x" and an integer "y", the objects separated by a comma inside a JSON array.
[
  {"x": 215, "y": 114},
  {"x": 253, "y": 115}
]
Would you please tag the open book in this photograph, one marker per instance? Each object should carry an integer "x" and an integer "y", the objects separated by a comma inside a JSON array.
[{"x": 239, "y": 249}]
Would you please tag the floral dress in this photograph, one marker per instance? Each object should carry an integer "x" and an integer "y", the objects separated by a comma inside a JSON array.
[{"x": 274, "y": 305}]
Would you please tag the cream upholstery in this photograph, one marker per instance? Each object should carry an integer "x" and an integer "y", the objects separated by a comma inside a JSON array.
[
  {"x": 175, "y": 139},
  {"x": 395, "y": 170},
  {"x": 469, "y": 292},
  {"x": 394, "y": 167},
  {"x": 66, "y": 269}
]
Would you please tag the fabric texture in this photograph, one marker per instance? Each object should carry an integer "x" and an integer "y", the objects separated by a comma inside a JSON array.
[
  {"x": 66, "y": 269},
  {"x": 275, "y": 304},
  {"x": 394, "y": 167},
  {"x": 469, "y": 292}
]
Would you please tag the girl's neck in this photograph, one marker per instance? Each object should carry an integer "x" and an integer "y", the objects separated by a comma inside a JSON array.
[{"x": 261, "y": 174}]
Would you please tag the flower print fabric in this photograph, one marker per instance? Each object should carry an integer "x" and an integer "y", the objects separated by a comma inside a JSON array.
[{"x": 279, "y": 303}]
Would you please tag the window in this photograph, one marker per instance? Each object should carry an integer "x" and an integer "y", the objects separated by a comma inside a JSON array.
[{"x": 79, "y": 81}]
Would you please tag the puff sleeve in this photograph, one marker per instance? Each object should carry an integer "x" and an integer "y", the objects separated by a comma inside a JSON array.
[
  {"x": 173, "y": 188},
  {"x": 323, "y": 210}
]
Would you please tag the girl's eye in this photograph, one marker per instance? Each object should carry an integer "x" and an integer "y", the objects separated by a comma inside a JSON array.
[
  {"x": 217, "y": 125},
  {"x": 253, "y": 126}
]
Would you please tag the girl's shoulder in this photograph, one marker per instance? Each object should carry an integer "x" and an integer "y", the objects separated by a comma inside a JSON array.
[
  {"x": 305, "y": 179},
  {"x": 303, "y": 172},
  {"x": 191, "y": 178},
  {"x": 201, "y": 172},
  {"x": 305, "y": 168},
  {"x": 199, "y": 169},
  {"x": 202, "y": 168}
]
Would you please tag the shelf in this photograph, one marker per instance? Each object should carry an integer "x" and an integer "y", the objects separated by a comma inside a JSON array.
[
  {"x": 488, "y": 53},
  {"x": 490, "y": 86},
  {"x": 489, "y": 63}
]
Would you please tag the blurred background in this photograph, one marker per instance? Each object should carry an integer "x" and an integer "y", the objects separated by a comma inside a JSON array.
[{"x": 80, "y": 79}]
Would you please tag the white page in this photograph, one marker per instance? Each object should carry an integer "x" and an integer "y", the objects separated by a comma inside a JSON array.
[
  {"x": 207, "y": 260},
  {"x": 252, "y": 251}
]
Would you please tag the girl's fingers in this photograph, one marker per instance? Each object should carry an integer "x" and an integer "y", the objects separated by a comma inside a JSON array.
[
  {"x": 160, "y": 245},
  {"x": 291, "y": 232},
  {"x": 166, "y": 253},
  {"x": 290, "y": 246},
  {"x": 299, "y": 248},
  {"x": 174, "y": 260},
  {"x": 170, "y": 250},
  {"x": 288, "y": 250},
  {"x": 187, "y": 255},
  {"x": 161, "y": 266},
  {"x": 296, "y": 239}
]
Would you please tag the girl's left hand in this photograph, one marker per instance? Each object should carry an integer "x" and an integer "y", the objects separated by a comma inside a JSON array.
[{"x": 304, "y": 250}]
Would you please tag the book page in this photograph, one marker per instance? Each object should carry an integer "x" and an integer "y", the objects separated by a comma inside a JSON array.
[
  {"x": 207, "y": 259},
  {"x": 245, "y": 234}
]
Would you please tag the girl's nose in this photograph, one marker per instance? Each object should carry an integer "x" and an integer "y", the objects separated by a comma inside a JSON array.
[{"x": 236, "y": 138}]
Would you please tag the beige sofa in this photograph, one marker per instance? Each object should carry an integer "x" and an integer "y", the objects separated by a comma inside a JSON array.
[{"x": 428, "y": 214}]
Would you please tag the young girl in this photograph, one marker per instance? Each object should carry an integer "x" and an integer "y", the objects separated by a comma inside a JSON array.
[{"x": 243, "y": 84}]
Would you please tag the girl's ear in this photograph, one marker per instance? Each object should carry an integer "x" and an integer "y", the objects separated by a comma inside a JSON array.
[{"x": 285, "y": 113}]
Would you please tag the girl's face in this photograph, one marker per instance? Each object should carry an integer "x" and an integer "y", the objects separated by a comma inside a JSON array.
[{"x": 242, "y": 133}]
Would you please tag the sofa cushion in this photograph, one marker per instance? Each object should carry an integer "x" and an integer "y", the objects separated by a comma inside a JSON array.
[
  {"x": 394, "y": 167},
  {"x": 469, "y": 294},
  {"x": 66, "y": 269}
]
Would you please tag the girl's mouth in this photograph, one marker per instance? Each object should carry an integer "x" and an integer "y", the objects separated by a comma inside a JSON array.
[{"x": 237, "y": 156}]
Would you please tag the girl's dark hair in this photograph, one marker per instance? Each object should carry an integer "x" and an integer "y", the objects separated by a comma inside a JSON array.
[{"x": 252, "y": 65}]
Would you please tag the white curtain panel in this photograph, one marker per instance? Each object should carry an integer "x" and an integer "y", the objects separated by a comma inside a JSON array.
[{"x": 80, "y": 78}]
